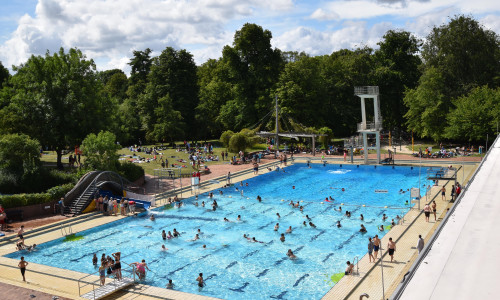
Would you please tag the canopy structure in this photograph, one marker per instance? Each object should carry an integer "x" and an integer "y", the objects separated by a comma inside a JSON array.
[{"x": 293, "y": 135}]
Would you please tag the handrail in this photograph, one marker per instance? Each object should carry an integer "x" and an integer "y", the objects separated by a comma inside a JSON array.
[
  {"x": 93, "y": 282},
  {"x": 356, "y": 258}
]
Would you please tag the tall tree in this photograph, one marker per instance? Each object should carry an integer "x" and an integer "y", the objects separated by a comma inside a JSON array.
[
  {"x": 57, "y": 99},
  {"x": 475, "y": 115},
  {"x": 173, "y": 74},
  {"x": 4, "y": 74},
  {"x": 397, "y": 70},
  {"x": 467, "y": 54},
  {"x": 254, "y": 67}
]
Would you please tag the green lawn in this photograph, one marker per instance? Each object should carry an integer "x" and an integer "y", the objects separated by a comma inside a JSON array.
[{"x": 171, "y": 154}]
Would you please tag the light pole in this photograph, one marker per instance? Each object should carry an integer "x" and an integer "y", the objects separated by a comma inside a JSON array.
[{"x": 382, "y": 268}]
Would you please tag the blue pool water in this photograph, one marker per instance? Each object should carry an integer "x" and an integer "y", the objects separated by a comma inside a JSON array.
[{"x": 234, "y": 268}]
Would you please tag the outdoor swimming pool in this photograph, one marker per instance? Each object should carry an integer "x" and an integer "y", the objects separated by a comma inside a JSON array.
[{"x": 234, "y": 268}]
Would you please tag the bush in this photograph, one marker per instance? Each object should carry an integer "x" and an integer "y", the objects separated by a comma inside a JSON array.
[
  {"x": 60, "y": 190},
  {"x": 238, "y": 142},
  {"x": 130, "y": 171},
  {"x": 225, "y": 137},
  {"x": 19, "y": 200},
  {"x": 34, "y": 183}
]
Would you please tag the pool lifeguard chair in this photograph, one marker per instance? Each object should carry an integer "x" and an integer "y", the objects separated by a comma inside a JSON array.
[{"x": 365, "y": 128}]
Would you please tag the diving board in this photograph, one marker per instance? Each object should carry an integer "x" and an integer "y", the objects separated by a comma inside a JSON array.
[{"x": 108, "y": 289}]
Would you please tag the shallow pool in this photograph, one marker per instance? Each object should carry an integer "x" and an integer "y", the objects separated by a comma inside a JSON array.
[{"x": 234, "y": 268}]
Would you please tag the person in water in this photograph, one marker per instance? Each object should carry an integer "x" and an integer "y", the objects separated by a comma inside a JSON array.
[
  {"x": 282, "y": 238},
  {"x": 290, "y": 254},
  {"x": 363, "y": 229},
  {"x": 277, "y": 226},
  {"x": 289, "y": 230},
  {"x": 338, "y": 224},
  {"x": 312, "y": 225}
]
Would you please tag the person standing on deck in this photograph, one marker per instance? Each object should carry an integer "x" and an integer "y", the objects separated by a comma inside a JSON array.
[
  {"x": 376, "y": 246},
  {"x": 420, "y": 244},
  {"x": 391, "y": 248},
  {"x": 22, "y": 266}
]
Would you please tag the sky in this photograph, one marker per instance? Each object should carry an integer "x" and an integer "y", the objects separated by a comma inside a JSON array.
[{"x": 108, "y": 31}]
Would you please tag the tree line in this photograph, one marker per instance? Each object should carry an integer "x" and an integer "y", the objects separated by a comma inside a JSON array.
[{"x": 446, "y": 87}]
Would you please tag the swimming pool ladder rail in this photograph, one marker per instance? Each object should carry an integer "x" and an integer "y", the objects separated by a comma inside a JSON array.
[
  {"x": 356, "y": 261},
  {"x": 66, "y": 230}
]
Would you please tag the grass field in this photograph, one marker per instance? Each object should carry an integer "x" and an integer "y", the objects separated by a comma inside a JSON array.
[{"x": 171, "y": 154}]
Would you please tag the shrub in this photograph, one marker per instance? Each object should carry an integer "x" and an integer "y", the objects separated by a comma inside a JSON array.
[
  {"x": 60, "y": 190},
  {"x": 225, "y": 137},
  {"x": 238, "y": 142},
  {"x": 130, "y": 171}
]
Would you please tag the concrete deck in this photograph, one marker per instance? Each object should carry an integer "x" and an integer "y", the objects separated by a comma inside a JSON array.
[{"x": 463, "y": 262}]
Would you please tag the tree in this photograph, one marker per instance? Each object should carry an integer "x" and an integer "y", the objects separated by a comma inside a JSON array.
[
  {"x": 100, "y": 151},
  {"x": 173, "y": 73},
  {"x": 57, "y": 100},
  {"x": 19, "y": 155},
  {"x": 427, "y": 106},
  {"x": 474, "y": 116},
  {"x": 238, "y": 142},
  {"x": 225, "y": 137},
  {"x": 327, "y": 138},
  {"x": 397, "y": 70},
  {"x": 4, "y": 75},
  {"x": 169, "y": 123},
  {"x": 467, "y": 54}
]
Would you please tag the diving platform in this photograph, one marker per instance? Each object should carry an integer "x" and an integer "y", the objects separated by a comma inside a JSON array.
[{"x": 108, "y": 289}]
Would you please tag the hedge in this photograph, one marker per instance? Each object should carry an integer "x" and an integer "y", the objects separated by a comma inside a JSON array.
[{"x": 18, "y": 200}]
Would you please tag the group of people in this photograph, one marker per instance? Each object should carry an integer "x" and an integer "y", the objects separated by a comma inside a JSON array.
[
  {"x": 110, "y": 266},
  {"x": 113, "y": 206}
]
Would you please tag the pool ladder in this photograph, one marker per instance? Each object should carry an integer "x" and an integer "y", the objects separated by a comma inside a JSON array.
[
  {"x": 356, "y": 262},
  {"x": 66, "y": 230}
]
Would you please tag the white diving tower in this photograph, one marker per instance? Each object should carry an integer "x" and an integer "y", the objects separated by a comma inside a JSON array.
[{"x": 365, "y": 128}]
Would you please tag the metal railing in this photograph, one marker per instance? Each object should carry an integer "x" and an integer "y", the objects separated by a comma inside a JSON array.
[
  {"x": 66, "y": 230},
  {"x": 83, "y": 283},
  {"x": 377, "y": 125},
  {"x": 366, "y": 90}
]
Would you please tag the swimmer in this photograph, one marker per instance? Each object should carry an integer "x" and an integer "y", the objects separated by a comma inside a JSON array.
[
  {"x": 94, "y": 259},
  {"x": 220, "y": 192},
  {"x": 259, "y": 199},
  {"x": 331, "y": 199},
  {"x": 152, "y": 218},
  {"x": 196, "y": 204},
  {"x": 338, "y": 224},
  {"x": 363, "y": 229},
  {"x": 384, "y": 217},
  {"x": 176, "y": 233},
  {"x": 307, "y": 217},
  {"x": 170, "y": 284},
  {"x": 239, "y": 218},
  {"x": 282, "y": 238},
  {"x": 291, "y": 203},
  {"x": 164, "y": 235},
  {"x": 215, "y": 203},
  {"x": 381, "y": 228},
  {"x": 393, "y": 223},
  {"x": 32, "y": 248},
  {"x": 163, "y": 248},
  {"x": 277, "y": 226},
  {"x": 296, "y": 204},
  {"x": 196, "y": 237},
  {"x": 202, "y": 203},
  {"x": 169, "y": 236},
  {"x": 304, "y": 223},
  {"x": 199, "y": 231},
  {"x": 226, "y": 220},
  {"x": 312, "y": 225},
  {"x": 290, "y": 254},
  {"x": 289, "y": 230},
  {"x": 302, "y": 208},
  {"x": 204, "y": 246},
  {"x": 241, "y": 183},
  {"x": 246, "y": 236},
  {"x": 255, "y": 241},
  {"x": 277, "y": 214},
  {"x": 200, "y": 281},
  {"x": 246, "y": 183},
  {"x": 339, "y": 210},
  {"x": 361, "y": 217}
]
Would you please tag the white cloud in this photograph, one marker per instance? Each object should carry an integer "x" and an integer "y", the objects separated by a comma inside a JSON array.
[{"x": 112, "y": 29}]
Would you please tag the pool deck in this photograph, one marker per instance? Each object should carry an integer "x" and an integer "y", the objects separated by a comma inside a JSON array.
[{"x": 64, "y": 283}]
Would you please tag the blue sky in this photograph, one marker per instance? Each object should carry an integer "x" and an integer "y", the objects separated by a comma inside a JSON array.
[{"x": 109, "y": 30}]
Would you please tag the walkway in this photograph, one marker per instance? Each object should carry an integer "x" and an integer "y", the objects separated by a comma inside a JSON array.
[{"x": 464, "y": 261}]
